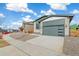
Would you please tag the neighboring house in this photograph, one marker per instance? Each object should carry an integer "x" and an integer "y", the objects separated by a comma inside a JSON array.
[
  {"x": 14, "y": 30},
  {"x": 28, "y": 27},
  {"x": 0, "y": 29},
  {"x": 53, "y": 25}
]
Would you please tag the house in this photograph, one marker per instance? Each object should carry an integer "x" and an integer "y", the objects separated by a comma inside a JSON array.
[
  {"x": 0, "y": 29},
  {"x": 53, "y": 25},
  {"x": 1, "y": 33},
  {"x": 28, "y": 27}
]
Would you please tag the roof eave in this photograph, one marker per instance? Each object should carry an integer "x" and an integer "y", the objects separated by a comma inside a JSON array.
[{"x": 47, "y": 16}]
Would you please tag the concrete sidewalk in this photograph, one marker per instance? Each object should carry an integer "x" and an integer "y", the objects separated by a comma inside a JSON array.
[
  {"x": 11, "y": 51},
  {"x": 31, "y": 49}
]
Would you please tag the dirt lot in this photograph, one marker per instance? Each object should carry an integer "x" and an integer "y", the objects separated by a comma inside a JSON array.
[
  {"x": 3, "y": 43},
  {"x": 74, "y": 33}
]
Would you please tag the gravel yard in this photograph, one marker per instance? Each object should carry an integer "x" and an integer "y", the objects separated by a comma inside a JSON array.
[
  {"x": 23, "y": 36},
  {"x": 71, "y": 46}
]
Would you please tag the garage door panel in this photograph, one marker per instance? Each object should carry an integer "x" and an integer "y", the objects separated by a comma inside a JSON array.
[
  {"x": 54, "y": 28},
  {"x": 52, "y": 31},
  {"x": 57, "y": 22},
  {"x": 61, "y": 27}
]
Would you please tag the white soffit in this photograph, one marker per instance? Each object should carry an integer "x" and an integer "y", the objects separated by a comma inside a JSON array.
[{"x": 54, "y": 18}]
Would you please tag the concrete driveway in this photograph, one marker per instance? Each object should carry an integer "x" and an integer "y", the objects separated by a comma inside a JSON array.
[{"x": 51, "y": 42}]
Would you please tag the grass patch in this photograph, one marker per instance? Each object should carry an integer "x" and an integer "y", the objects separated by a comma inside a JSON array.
[{"x": 3, "y": 43}]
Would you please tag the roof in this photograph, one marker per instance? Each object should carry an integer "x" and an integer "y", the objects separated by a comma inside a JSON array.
[{"x": 48, "y": 16}]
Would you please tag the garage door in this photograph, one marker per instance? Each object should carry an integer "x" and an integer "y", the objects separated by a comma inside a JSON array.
[{"x": 54, "y": 28}]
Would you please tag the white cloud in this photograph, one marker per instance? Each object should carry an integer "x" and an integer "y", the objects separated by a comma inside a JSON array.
[
  {"x": 19, "y": 7},
  {"x": 39, "y": 16},
  {"x": 73, "y": 22},
  {"x": 19, "y": 23},
  {"x": 35, "y": 14},
  {"x": 27, "y": 18},
  {"x": 58, "y": 6},
  {"x": 1, "y": 26},
  {"x": 42, "y": 11},
  {"x": 75, "y": 11},
  {"x": 2, "y": 15},
  {"x": 15, "y": 25},
  {"x": 48, "y": 12}
]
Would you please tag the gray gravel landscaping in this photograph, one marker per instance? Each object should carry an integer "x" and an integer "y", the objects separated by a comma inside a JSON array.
[{"x": 71, "y": 46}]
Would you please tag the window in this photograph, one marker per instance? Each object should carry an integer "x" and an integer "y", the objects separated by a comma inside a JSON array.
[{"x": 37, "y": 25}]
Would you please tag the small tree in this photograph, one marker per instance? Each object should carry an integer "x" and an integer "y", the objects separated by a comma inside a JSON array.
[
  {"x": 78, "y": 26},
  {"x": 21, "y": 29}
]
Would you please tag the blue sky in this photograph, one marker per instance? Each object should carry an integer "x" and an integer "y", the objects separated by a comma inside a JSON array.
[{"x": 12, "y": 15}]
